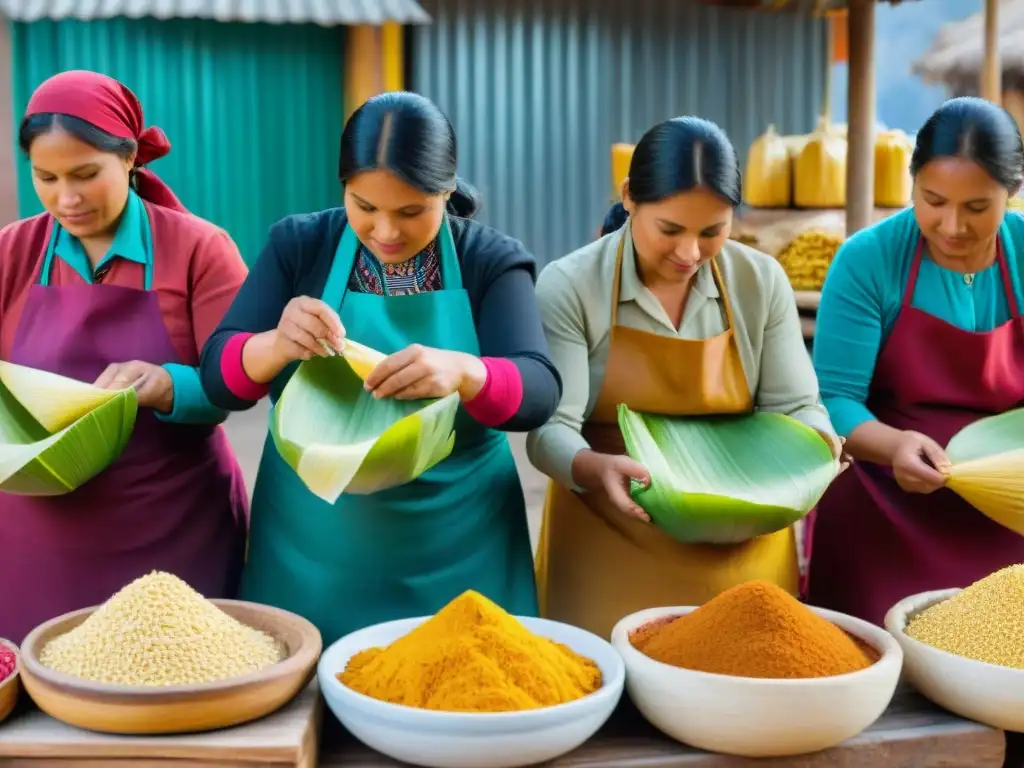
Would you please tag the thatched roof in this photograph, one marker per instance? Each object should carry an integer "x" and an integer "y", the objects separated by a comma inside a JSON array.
[{"x": 959, "y": 48}]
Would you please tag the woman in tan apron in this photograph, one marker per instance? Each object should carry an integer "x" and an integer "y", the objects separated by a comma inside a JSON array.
[{"x": 667, "y": 316}]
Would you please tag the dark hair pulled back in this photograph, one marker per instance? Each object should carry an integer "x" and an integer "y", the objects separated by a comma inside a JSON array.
[
  {"x": 976, "y": 130},
  {"x": 34, "y": 126},
  {"x": 676, "y": 156},
  {"x": 408, "y": 135}
]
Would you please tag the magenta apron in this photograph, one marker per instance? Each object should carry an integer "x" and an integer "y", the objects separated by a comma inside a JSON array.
[
  {"x": 175, "y": 500},
  {"x": 874, "y": 544}
]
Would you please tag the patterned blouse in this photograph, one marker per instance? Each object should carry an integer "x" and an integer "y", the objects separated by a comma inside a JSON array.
[{"x": 419, "y": 274}]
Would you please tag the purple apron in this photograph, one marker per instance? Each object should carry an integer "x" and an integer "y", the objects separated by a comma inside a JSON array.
[
  {"x": 873, "y": 543},
  {"x": 174, "y": 501}
]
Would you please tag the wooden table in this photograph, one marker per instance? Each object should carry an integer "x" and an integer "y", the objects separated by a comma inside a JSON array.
[{"x": 913, "y": 733}]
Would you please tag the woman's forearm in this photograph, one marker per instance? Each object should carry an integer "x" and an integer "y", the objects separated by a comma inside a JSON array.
[
  {"x": 873, "y": 441},
  {"x": 259, "y": 360}
]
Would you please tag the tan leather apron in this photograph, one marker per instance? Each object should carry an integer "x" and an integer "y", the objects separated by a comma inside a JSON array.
[{"x": 593, "y": 567}]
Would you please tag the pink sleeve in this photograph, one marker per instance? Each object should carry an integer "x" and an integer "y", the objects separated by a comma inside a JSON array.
[
  {"x": 233, "y": 372},
  {"x": 501, "y": 396}
]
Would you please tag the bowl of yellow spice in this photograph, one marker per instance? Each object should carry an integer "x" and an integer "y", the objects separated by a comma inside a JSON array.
[
  {"x": 964, "y": 648},
  {"x": 472, "y": 686},
  {"x": 159, "y": 658}
]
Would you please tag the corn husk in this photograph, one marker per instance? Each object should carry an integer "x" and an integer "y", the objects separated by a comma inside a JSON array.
[
  {"x": 987, "y": 467},
  {"x": 361, "y": 359},
  {"x": 340, "y": 439},
  {"x": 56, "y": 433},
  {"x": 724, "y": 480}
]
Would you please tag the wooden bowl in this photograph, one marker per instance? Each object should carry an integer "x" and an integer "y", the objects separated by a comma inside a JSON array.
[
  {"x": 147, "y": 710},
  {"x": 10, "y": 686}
]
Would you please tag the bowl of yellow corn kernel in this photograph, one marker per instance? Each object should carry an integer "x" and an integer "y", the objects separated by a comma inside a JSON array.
[
  {"x": 964, "y": 648},
  {"x": 159, "y": 658}
]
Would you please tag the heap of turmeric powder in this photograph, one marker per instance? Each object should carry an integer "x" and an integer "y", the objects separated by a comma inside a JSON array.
[
  {"x": 472, "y": 657},
  {"x": 755, "y": 629}
]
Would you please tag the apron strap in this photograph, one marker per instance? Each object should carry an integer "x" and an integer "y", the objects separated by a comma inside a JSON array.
[
  {"x": 915, "y": 268},
  {"x": 51, "y": 251},
  {"x": 617, "y": 284},
  {"x": 345, "y": 260},
  {"x": 1004, "y": 272}
]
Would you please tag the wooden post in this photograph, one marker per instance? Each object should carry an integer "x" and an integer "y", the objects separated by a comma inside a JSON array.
[
  {"x": 860, "y": 117},
  {"x": 992, "y": 69}
]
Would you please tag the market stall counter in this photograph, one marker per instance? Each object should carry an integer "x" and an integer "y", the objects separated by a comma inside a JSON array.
[{"x": 913, "y": 733}]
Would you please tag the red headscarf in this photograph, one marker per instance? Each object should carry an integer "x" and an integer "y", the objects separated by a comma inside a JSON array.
[{"x": 111, "y": 107}]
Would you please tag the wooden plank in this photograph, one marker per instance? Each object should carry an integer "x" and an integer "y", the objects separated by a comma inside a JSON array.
[
  {"x": 913, "y": 733},
  {"x": 289, "y": 737}
]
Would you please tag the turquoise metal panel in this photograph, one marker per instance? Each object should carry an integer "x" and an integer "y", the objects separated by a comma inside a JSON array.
[
  {"x": 538, "y": 92},
  {"x": 253, "y": 111}
]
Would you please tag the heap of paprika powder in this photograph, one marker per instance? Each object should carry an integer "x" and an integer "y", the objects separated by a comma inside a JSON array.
[
  {"x": 755, "y": 629},
  {"x": 8, "y": 662}
]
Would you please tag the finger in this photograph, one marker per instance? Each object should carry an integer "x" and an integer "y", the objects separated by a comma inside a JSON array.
[
  {"x": 335, "y": 331},
  {"x": 919, "y": 470},
  {"x": 618, "y": 495},
  {"x": 391, "y": 365},
  {"x": 424, "y": 389},
  {"x": 633, "y": 469},
  {"x": 304, "y": 340},
  {"x": 312, "y": 325},
  {"x": 935, "y": 455},
  {"x": 107, "y": 377},
  {"x": 408, "y": 376}
]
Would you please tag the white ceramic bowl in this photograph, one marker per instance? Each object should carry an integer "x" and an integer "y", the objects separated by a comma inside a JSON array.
[
  {"x": 471, "y": 740},
  {"x": 987, "y": 693},
  {"x": 754, "y": 717}
]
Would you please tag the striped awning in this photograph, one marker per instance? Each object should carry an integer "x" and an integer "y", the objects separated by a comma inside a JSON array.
[{"x": 326, "y": 13}]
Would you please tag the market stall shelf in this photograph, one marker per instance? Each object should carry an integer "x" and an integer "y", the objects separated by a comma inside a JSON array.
[
  {"x": 913, "y": 733},
  {"x": 289, "y": 738},
  {"x": 770, "y": 229}
]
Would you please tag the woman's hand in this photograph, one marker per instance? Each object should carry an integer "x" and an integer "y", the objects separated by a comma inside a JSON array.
[
  {"x": 607, "y": 477},
  {"x": 837, "y": 445},
  {"x": 153, "y": 385},
  {"x": 308, "y": 327},
  {"x": 418, "y": 373},
  {"x": 918, "y": 463}
]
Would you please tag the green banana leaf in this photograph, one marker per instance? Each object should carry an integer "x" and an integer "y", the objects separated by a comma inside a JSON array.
[
  {"x": 724, "y": 480},
  {"x": 56, "y": 433},
  {"x": 340, "y": 439},
  {"x": 987, "y": 467}
]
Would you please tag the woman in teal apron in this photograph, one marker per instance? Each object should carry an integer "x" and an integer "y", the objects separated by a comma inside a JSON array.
[{"x": 401, "y": 268}]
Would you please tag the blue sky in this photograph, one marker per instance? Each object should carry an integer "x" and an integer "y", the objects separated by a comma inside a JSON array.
[{"x": 903, "y": 33}]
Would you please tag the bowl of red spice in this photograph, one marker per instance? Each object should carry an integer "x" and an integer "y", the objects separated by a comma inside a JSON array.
[
  {"x": 10, "y": 679},
  {"x": 756, "y": 673}
]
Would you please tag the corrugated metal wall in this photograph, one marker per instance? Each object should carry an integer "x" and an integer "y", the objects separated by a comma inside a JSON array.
[
  {"x": 254, "y": 111},
  {"x": 538, "y": 91}
]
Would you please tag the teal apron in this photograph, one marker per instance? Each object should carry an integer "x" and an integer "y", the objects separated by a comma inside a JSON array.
[{"x": 406, "y": 551}]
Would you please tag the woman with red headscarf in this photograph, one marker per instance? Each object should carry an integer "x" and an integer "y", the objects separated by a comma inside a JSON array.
[{"x": 117, "y": 284}]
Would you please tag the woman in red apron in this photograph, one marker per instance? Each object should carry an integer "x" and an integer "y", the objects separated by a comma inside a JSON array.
[
  {"x": 117, "y": 284},
  {"x": 919, "y": 334}
]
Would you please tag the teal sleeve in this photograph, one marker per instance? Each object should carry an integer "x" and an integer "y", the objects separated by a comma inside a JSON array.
[
  {"x": 850, "y": 328},
  {"x": 191, "y": 405}
]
